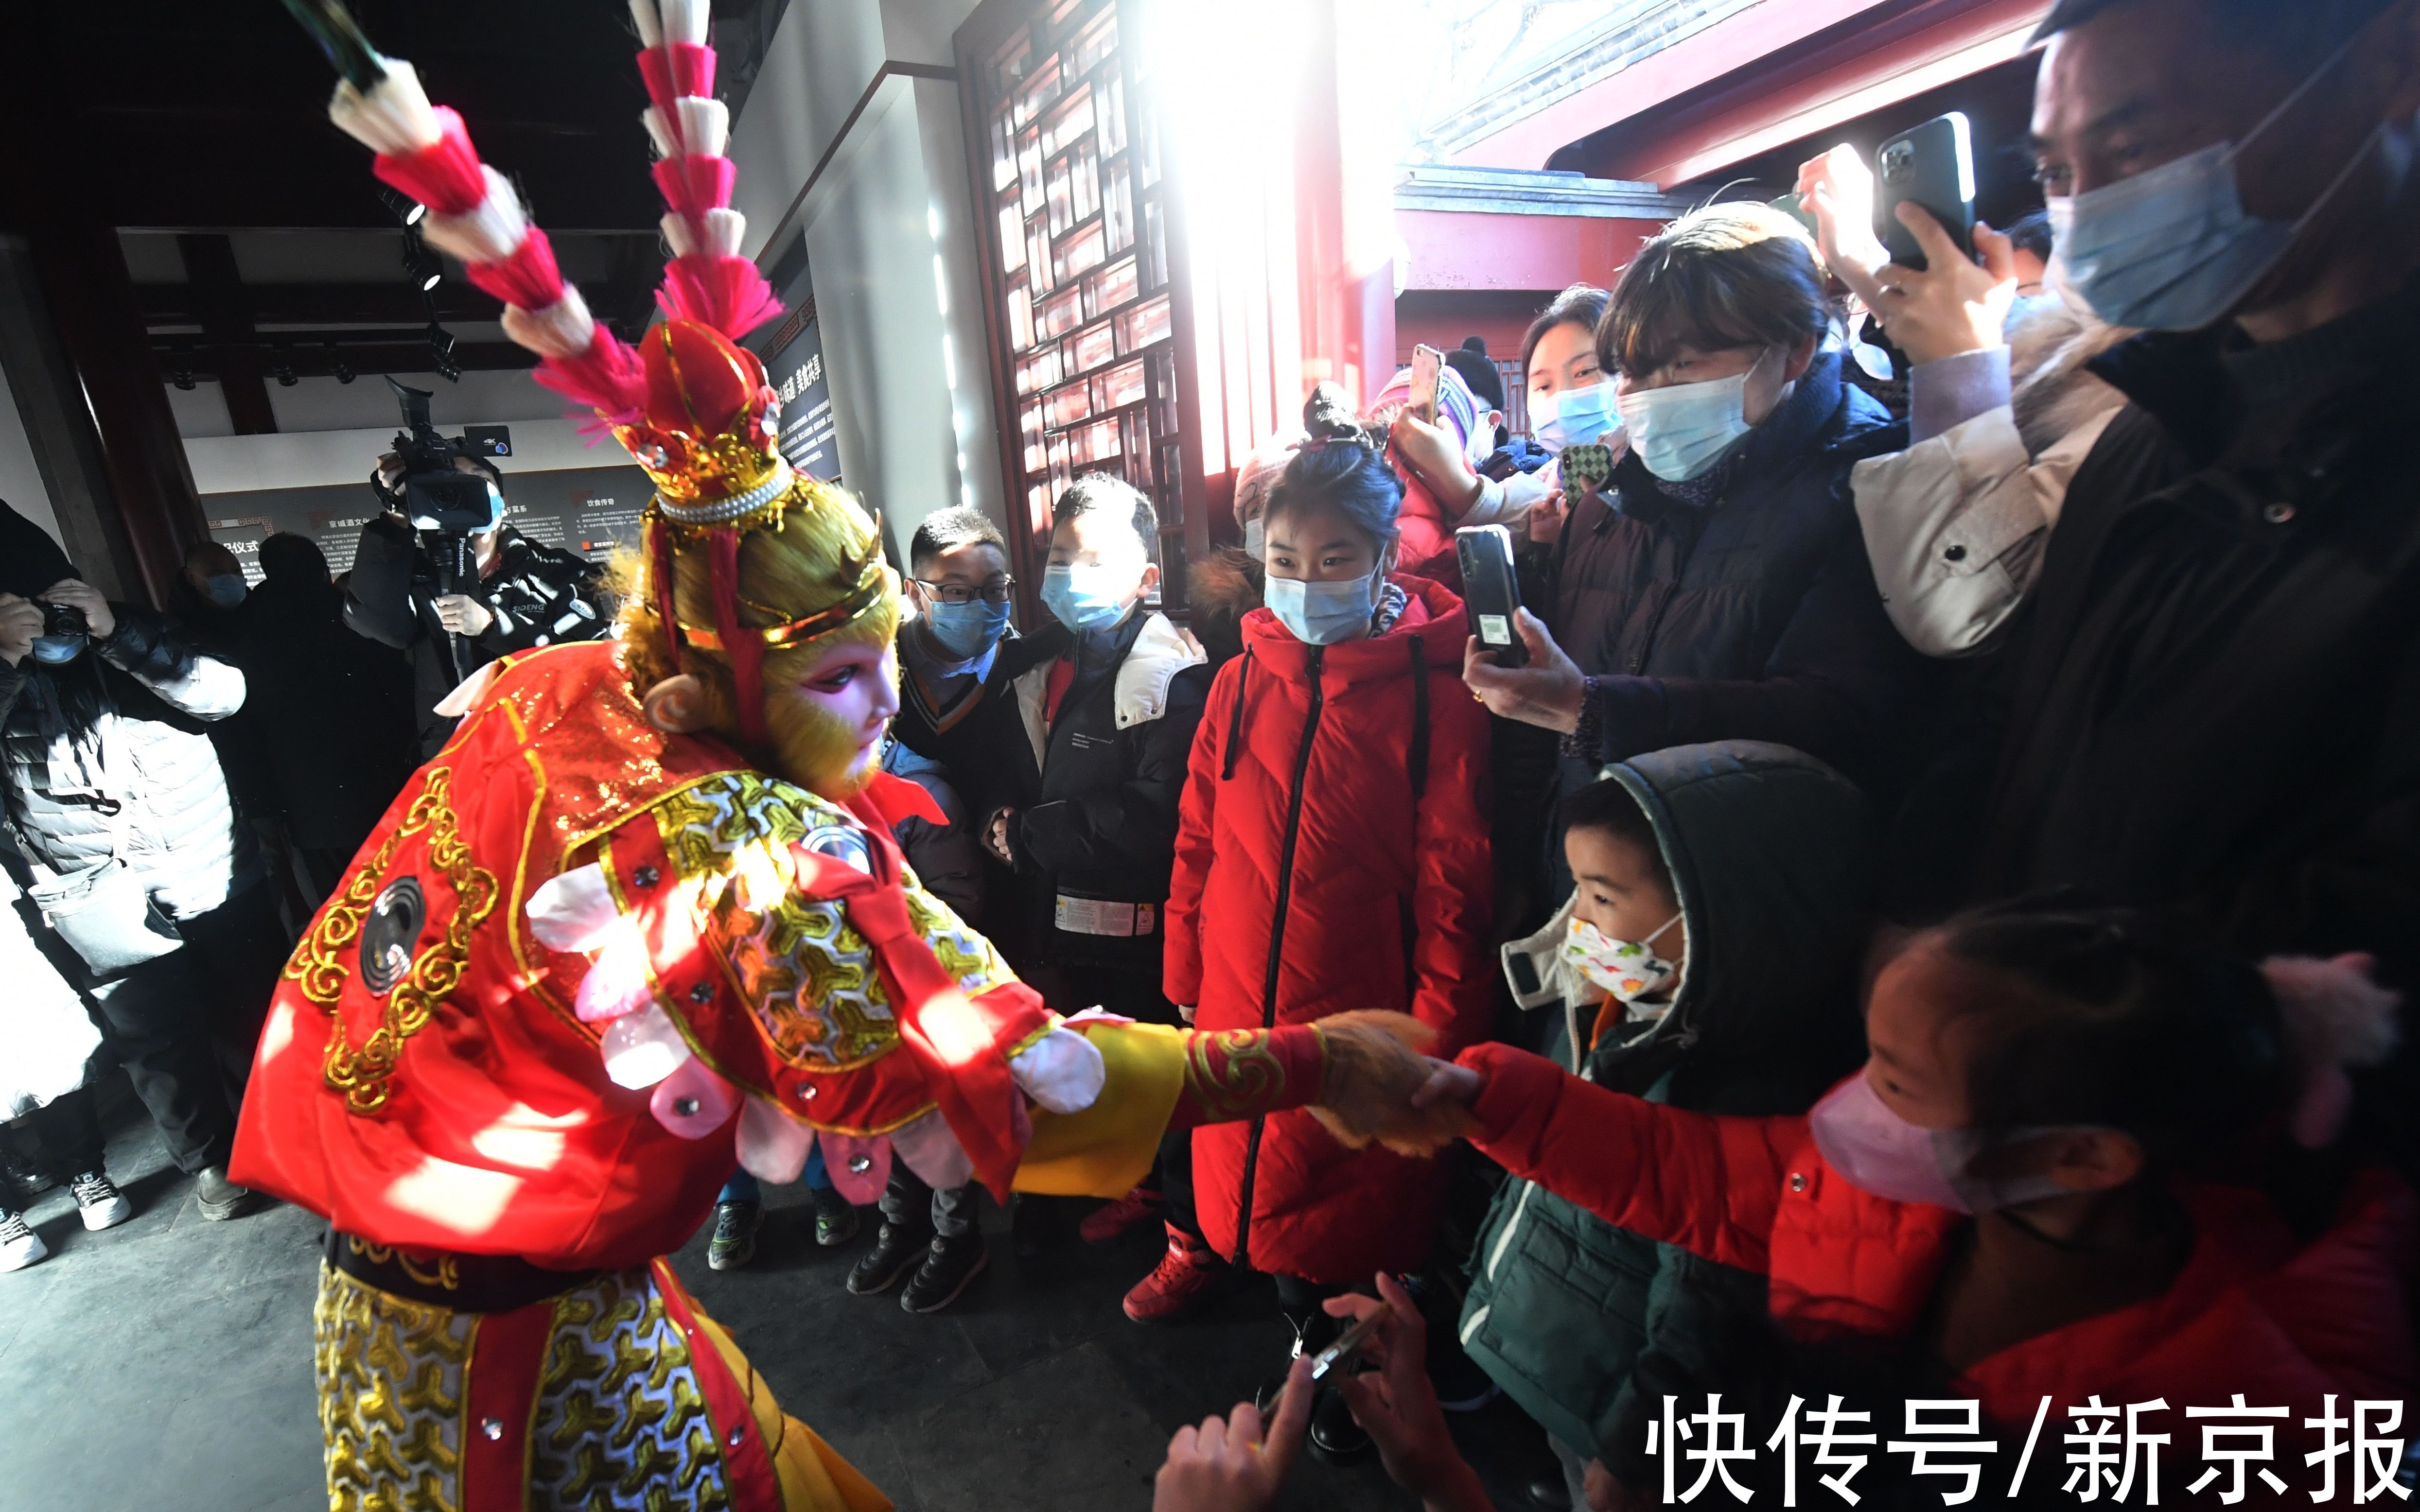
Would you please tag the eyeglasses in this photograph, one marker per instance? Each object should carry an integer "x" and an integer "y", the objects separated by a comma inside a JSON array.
[{"x": 994, "y": 591}]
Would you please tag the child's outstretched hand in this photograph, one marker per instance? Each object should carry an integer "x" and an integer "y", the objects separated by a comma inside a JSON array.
[{"x": 1449, "y": 1086}]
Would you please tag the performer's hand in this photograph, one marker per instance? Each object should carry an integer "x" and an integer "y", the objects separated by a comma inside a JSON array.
[
  {"x": 83, "y": 595},
  {"x": 1229, "y": 1466},
  {"x": 462, "y": 614},
  {"x": 1377, "y": 1064},
  {"x": 1397, "y": 1407},
  {"x": 20, "y": 620}
]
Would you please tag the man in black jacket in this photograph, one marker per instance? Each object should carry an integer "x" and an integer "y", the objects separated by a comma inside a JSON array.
[
  {"x": 1086, "y": 809},
  {"x": 525, "y": 596},
  {"x": 2213, "y": 698}
]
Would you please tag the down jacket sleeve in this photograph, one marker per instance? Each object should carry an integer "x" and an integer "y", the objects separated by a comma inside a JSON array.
[
  {"x": 1834, "y": 686},
  {"x": 1132, "y": 824},
  {"x": 165, "y": 659},
  {"x": 1181, "y": 969},
  {"x": 1711, "y": 1185},
  {"x": 1454, "y": 888},
  {"x": 378, "y": 594},
  {"x": 1955, "y": 525}
]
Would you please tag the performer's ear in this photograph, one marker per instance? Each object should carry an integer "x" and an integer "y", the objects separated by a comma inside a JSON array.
[{"x": 676, "y": 706}]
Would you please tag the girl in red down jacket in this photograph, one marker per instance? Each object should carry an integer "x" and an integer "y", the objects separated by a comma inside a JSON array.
[
  {"x": 2032, "y": 1186},
  {"x": 1332, "y": 853}
]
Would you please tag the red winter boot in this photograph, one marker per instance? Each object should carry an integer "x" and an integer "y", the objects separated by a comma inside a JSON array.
[
  {"x": 1186, "y": 1272},
  {"x": 1105, "y": 1224}
]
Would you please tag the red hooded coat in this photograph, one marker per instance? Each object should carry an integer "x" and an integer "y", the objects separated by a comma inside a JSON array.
[{"x": 1332, "y": 853}]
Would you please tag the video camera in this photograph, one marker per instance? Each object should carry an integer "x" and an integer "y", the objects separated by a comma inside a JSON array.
[{"x": 437, "y": 498}]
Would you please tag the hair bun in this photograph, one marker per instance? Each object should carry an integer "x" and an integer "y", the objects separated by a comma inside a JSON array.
[{"x": 1329, "y": 415}]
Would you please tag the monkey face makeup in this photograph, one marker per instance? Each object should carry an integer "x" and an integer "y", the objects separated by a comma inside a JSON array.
[{"x": 828, "y": 720}]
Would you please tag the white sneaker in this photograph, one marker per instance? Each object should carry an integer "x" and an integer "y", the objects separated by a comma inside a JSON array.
[
  {"x": 98, "y": 1199},
  {"x": 20, "y": 1246}
]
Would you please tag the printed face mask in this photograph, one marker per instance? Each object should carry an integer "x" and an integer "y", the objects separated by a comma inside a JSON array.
[
  {"x": 1085, "y": 596},
  {"x": 1577, "y": 418},
  {"x": 2173, "y": 249},
  {"x": 1878, "y": 1151},
  {"x": 1322, "y": 614},
  {"x": 1681, "y": 431},
  {"x": 967, "y": 630},
  {"x": 1629, "y": 969}
]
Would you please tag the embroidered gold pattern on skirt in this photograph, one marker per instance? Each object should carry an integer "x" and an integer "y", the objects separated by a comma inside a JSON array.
[
  {"x": 390, "y": 1398},
  {"x": 621, "y": 1425}
]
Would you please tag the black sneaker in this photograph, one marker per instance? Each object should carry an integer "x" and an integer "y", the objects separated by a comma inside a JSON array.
[
  {"x": 99, "y": 1200},
  {"x": 20, "y": 1184},
  {"x": 219, "y": 1198},
  {"x": 948, "y": 1266},
  {"x": 895, "y": 1251},
  {"x": 1335, "y": 1438},
  {"x": 836, "y": 1221},
  {"x": 734, "y": 1244}
]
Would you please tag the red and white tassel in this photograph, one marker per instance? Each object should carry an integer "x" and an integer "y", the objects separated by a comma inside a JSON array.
[
  {"x": 491, "y": 233},
  {"x": 723, "y": 231},
  {"x": 699, "y": 126},
  {"x": 561, "y": 330},
  {"x": 394, "y": 118},
  {"x": 671, "y": 20}
]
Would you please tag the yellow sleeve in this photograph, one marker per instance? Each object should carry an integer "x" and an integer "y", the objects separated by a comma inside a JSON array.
[{"x": 1105, "y": 1151}]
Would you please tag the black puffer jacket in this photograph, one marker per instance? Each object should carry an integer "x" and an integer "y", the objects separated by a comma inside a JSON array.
[
  {"x": 538, "y": 594},
  {"x": 2213, "y": 698},
  {"x": 1754, "y": 617},
  {"x": 1097, "y": 791}
]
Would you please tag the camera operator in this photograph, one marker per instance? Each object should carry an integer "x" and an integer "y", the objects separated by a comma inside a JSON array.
[
  {"x": 115, "y": 798},
  {"x": 508, "y": 594}
]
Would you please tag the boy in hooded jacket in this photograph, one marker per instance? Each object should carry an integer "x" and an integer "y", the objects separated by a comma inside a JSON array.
[{"x": 1706, "y": 959}]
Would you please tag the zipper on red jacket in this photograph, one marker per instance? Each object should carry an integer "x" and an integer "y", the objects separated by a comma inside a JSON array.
[{"x": 1277, "y": 939}]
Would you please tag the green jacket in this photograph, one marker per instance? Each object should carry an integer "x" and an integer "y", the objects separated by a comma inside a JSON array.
[{"x": 1587, "y": 1326}]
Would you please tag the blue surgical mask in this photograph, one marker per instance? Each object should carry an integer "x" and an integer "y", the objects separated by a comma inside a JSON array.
[
  {"x": 1086, "y": 596},
  {"x": 1682, "y": 431},
  {"x": 2173, "y": 249},
  {"x": 1578, "y": 418},
  {"x": 224, "y": 589},
  {"x": 1322, "y": 614},
  {"x": 967, "y": 630},
  {"x": 1253, "y": 537}
]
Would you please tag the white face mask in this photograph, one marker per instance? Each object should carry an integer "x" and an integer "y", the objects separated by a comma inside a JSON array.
[
  {"x": 1629, "y": 969},
  {"x": 1682, "y": 429}
]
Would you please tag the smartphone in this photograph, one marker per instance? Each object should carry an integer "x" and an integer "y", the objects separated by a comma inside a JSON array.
[
  {"x": 1426, "y": 362},
  {"x": 1932, "y": 165},
  {"x": 1348, "y": 1343},
  {"x": 1489, "y": 587},
  {"x": 1584, "y": 469}
]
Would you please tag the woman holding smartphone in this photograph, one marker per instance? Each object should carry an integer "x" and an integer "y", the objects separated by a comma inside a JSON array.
[
  {"x": 1331, "y": 854},
  {"x": 1717, "y": 587}
]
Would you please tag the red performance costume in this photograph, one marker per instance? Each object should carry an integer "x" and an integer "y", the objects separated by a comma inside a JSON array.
[{"x": 634, "y": 924}]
